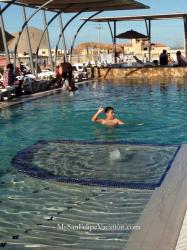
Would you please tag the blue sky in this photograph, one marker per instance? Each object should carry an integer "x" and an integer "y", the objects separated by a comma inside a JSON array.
[{"x": 168, "y": 32}]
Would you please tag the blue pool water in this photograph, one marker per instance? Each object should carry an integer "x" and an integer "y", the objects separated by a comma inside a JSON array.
[
  {"x": 153, "y": 114},
  {"x": 32, "y": 208}
]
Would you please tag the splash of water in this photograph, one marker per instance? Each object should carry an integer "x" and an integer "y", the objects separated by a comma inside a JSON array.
[{"x": 115, "y": 155}]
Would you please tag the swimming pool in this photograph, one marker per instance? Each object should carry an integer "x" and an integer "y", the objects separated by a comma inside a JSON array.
[{"x": 32, "y": 208}]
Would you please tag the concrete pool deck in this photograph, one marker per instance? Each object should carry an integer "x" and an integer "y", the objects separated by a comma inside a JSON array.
[
  {"x": 27, "y": 98},
  {"x": 163, "y": 216}
]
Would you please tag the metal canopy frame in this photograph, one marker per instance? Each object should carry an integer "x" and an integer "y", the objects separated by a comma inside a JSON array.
[
  {"x": 23, "y": 27},
  {"x": 147, "y": 19},
  {"x": 3, "y": 29},
  {"x": 78, "y": 30},
  {"x": 46, "y": 27},
  {"x": 59, "y": 6},
  {"x": 63, "y": 38},
  {"x": 28, "y": 38},
  {"x": 139, "y": 18}
]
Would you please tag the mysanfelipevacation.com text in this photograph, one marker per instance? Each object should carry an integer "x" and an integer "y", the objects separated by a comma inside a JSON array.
[{"x": 97, "y": 227}]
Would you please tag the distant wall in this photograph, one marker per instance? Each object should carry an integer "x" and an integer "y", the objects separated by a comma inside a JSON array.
[{"x": 143, "y": 72}]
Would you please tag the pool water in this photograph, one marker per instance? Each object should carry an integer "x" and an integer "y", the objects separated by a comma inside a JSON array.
[
  {"x": 108, "y": 164},
  {"x": 31, "y": 209}
]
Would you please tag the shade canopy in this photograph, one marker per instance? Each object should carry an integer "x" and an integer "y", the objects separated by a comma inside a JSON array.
[
  {"x": 84, "y": 5},
  {"x": 138, "y": 18},
  {"x": 9, "y": 37},
  {"x": 131, "y": 34}
]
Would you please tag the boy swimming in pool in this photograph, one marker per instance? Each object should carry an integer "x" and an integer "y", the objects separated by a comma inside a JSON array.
[{"x": 110, "y": 119}]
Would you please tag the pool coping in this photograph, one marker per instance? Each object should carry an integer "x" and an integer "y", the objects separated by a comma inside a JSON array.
[{"x": 162, "y": 218}]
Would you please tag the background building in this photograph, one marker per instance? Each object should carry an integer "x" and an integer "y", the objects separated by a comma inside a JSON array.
[{"x": 35, "y": 36}]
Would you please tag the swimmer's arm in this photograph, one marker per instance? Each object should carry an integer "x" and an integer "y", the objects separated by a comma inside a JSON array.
[
  {"x": 120, "y": 122},
  {"x": 95, "y": 116}
]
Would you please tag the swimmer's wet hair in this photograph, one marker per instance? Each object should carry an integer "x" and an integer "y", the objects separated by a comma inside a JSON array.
[{"x": 107, "y": 109}]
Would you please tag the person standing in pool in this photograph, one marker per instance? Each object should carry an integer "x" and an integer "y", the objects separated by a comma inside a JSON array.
[
  {"x": 109, "y": 120},
  {"x": 67, "y": 74}
]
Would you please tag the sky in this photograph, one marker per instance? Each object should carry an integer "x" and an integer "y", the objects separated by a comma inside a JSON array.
[{"x": 169, "y": 32}]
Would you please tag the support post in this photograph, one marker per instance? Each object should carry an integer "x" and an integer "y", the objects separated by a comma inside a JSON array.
[
  {"x": 110, "y": 28},
  {"x": 38, "y": 47},
  {"x": 23, "y": 26},
  {"x": 28, "y": 40},
  {"x": 63, "y": 39},
  {"x": 81, "y": 26},
  {"x": 48, "y": 41},
  {"x": 4, "y": 38},
  {"x": 149, "y": 40},
  {"x": 114, "y": 43},
  {"x": 148, "y": 28},
  {"x": 64, "y": 28},
  {"x": 185, "y": 36}
]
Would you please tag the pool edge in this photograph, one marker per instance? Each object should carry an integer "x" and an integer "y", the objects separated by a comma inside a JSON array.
[
  {"x": 34, "y": 96},
  {"x": 163, "y": 216}
]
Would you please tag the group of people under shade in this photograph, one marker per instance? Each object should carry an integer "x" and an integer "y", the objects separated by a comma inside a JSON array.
[
  {"x": 165, "y": 59},
  {"x": 63, "y": 75},
  {"x": 9, "y": 78}
]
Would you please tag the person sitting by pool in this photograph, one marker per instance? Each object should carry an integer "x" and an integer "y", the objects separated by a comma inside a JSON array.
[
  {"x": 182, "y": 61},
  {"x": 110, "y": 119},
  {"x": 170, "y": 60},
  {"x": 9, "y": 76},
  {"x": 163, "y": 58}
]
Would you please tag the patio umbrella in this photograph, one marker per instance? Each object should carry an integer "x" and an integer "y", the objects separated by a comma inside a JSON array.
[
  {"x": 131, "y": 34},
  {"x": 8, "y": 38}
]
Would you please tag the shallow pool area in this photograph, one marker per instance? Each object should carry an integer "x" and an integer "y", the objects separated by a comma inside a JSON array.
[
  {"x": 109, "y": 164},
  {"x": 35, "y": 211},
  {"x": 41, "y": 213}
]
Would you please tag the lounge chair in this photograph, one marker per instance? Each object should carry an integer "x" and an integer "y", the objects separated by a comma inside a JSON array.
[{"x": 142, "y": 63}]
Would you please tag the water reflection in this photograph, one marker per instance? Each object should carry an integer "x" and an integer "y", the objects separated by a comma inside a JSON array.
[{"x": 163, "y": 88}]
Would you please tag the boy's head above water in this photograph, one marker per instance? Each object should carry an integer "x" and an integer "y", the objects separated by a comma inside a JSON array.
[
  {"x": 107, "y": 109},
  {"x": 109, "y": 112}
]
